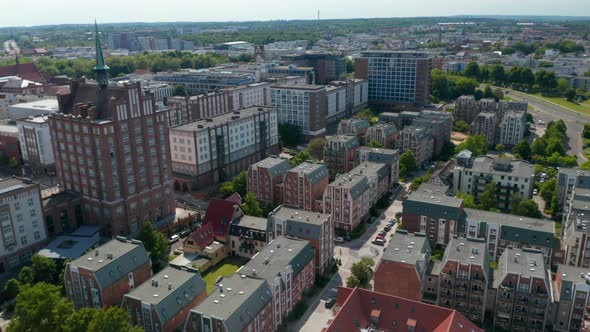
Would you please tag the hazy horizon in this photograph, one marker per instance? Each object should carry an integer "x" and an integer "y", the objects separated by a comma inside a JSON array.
[{"x": 58, "y": 12}]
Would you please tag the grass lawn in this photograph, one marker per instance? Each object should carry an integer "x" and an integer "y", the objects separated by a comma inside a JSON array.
[
  {"x": 225, "y": 268},
  {"x": 583, "y": 107}
]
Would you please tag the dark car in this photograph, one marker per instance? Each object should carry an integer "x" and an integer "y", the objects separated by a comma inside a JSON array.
[
  {"x": 387, "y": 228},
  {"x": 330, "y": 302},
  {"x": 185, "y": 233}
]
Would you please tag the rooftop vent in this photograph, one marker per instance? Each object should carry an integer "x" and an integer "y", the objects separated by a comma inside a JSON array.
[{"x": 169, "y": 286}]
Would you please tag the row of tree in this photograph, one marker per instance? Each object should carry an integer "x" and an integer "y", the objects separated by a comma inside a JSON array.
[{"x": 489, "y": 202}]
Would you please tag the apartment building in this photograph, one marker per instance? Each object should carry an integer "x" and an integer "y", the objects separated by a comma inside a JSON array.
[
  {"x": 163, "y": 303},
  {"x": 101, "y": 277},
  {"x": 317, "y": 228},
  {"x": 248, "y": 235},
  {"x": 357, "y": 94},
  {"x": 395, "y": 78},
  {"x": 576, "y": 234},
  {"x": 384, "y": 133},
  {"x": 567, "y": 180},
  {"x": 21, "y": 218},
  {"x": 486, "y": 124},
  {"x": 327, "y": 66},
  {"x": 350, "y": 196},
  {"x": 304, "y": 106},
  {"x": 354, "y": 127},
  {"x": 524, "y": 293},
  {"x": 388, "y": 157},
  {"x": 440, "y": 126},
  {"x": 360, "y": 309},
  {"x": 9, "y": 142},
  {"x": 509, "y": 176},
  {"x": 463, "y": 277},
  {"x": 287, "y": 266},
  {"x": 198, "y": 81},
  {"x": 466, "y": 109},
  {"x": 402, "y": 269},
  {"x": 340, "y": 153},
  {"x": 512, "y": 128},
  {"x": 304, "y": 186},
  {"x": 572, "y": 298},
  {"x": 265, "y": 178},
  {"x": 213, "y": 150},
  {"x": 238, "y": 303},
  {"x": 281, "y": 72},
  {"x": 417, "y": 139},
  {"x": 428, "y": 210},
  {"x": 35, "y": 145}
]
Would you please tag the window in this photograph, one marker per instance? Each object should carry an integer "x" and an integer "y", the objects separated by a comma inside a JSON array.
[
  {"x": 31, "y": 202},
  {"x": 33, "y": 213},
  {"x": 17, "y": 206},
  {"x": 37, "y": 236}
]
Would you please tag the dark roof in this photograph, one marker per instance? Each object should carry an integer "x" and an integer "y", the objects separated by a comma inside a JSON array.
[
  {"x": 275, "y": 165},
  {"x": 250, "y": 227},
  {"x": 114, "y": 260},
  {"x": 361, "y": 308},
  {"x": 241, "y": 300},
  {"x": 220, "y": 214},
  {"x": 281, "y": 252},
  {"x": 170, "y": 291},
  {"x": 203, "y": 236},
  {"x": 315, "y": 172}
]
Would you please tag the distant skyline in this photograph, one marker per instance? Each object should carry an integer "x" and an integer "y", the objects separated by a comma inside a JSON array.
[{"x": 43, "y": 12}]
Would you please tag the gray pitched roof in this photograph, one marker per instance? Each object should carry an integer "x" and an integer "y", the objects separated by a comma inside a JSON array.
[
  {"x": 239, "y": 303},
  {"x": 367, "y": 168},
  {"x": 315, "y": 172},
  {"x": 301, "y": 223},
  {"x": 357, "y": 184},
  {"x": 349, "y": 141},
  {"x": 527, "y": 263},
  {"x": 407, "y": 248},
  {"x": 127, "y": 255},
  {"x": 271, "y": 261},
  {"x": 519, "y": 168},
  {"x": 170, "y": 291},
  {"x": 256, "y": 223},
  {"x": 387, "y": 128},
  {"x": 275, "y": 165}
]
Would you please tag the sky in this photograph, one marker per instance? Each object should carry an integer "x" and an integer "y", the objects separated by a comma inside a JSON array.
[{"x": 45, "y": 12}]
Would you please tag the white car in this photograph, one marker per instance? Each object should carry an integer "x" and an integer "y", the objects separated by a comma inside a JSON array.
[
  {"x": 339, "y": 239},
  {"x": 535, "y": 192},
  {"x": 174, "y": 238}
]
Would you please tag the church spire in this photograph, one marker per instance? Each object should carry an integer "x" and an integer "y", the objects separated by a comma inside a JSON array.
[{"x": 101, "y": 69}]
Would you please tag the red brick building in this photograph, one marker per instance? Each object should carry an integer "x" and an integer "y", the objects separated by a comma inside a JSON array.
[
  {"x": 363, "y": 310},
  {"x": 238, "y": 304},
  {"x": 265, "y": 178},
  {"x": 340, "y": 154},
  {"x": 287, "y": 265},
  {"x": 164, "y": 302},
  {"x": 9, "y": 142},
  {"x": 102, "y": 277},
  {"x": 403, "y": 266},
  {"x": 63, "y": 213},
  {"x": 304, "y": 186},
  {"x": 317, "y": 228}
]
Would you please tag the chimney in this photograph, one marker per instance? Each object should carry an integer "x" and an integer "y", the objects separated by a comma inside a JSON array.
[
  {"x": 169, "y": 286},
  {"x": 95, "y": 252}
]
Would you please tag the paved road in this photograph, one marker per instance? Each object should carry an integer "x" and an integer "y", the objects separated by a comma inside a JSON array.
[{"x": 547, "y": 111}]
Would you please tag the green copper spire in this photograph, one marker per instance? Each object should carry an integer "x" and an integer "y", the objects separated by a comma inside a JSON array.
[{"x": 101, "y": 69}]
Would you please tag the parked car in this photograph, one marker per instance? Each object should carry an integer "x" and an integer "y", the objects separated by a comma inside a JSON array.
[
  {"x": 185, "y": 233},
  {"x": 535, "y": 192},
  {"x": 380, "y": 236},
  {"x": 330, "y": 302},
  {"x": 174, "y": 238},
  {"x": 339, "y": 239},
  {"x": 387, "y": 228},
  {"x": 371, "y": 220},
  {"x": 383, "y": 233},
  {"x": 379, "y": 242}
]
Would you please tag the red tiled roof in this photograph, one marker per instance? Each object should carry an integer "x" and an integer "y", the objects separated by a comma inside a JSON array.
[
  {"x": 203, "y": 236},
  {"x": 27, "y": 71},
  {"x": 357, "y": 309},
  {"x": 219, "y": 215},
  {"x": 236, "y": 198}
]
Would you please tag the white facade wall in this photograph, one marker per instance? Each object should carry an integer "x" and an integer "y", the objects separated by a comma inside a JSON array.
[{"x": 42, "y": 142}]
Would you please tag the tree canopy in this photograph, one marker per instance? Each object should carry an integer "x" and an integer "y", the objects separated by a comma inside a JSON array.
[
  {"x": 316, "y": 148},
  {"x": 252, "y": 206},
  {"x": 477, "y": 144},
  {"x": 154, "y": 242},
  {"x": 290, "y": 135},
  {"x": 489, "y": 200},
  {"x": 407, "y": 163}
]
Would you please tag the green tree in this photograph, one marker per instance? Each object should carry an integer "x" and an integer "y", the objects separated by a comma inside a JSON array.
[
  {"x": 252, "y": 206},
  {"x": 316, "y": 148},
  {"x": 522, "y": 150},
  {"x": 586, "y": 131},
  {"x": 375, "y": 144},
  {"x": 528, "y": 208},
  {"x": 368, "y": 261},
  {"x": 570, "y": 94},
  {"x": 563, "y": 85},
  {"x": 362, "y": 271},
  {"x": 180, "y": 90},
  {"x": 555, "y": 145},
  {"x": 13, "y": 162},
  {"x": 408, "y": 162},
  {"x": 36, "y": 309},
  {"x": 500, "y": 147},
  {"x": 240, "y": 183},
  {"x": 489, "y": 200},
  {"x": 539, "y": 146},
  {"x": 11, "y": 288},
  {"x": 26, "y": 276},
  {"x": 488, "y": 92},
  {"x": 111, "y": 319},
  {"x": 468, "y": 200},
  {"x": 226, "y": 189},
  {"x": 548, "y": 191},
  {"x": 472, "y": 70},
  {"x": 352, "y": 281},
  {"x": 546, "y": 79},
  {"x": 497, "y": 74},
  {"x": 349, "y": 66},
  {"x": 498, "y": 94},
  {"x": 300, "y": 158},
  {"x": 439, "y": 85},
  {"x": 585, "y": 166},
  {"x": 290, "y": 135},
  {"x": 78, "y": 320},
  {"x": 477, "y": 144},
  {"x": 461, "y": 126},
  {"x": 154, "y": 242},
  {"x": 44, "y": 269}
]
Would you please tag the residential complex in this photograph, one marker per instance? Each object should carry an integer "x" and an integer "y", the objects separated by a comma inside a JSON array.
[
  {"x": 35, "y": 145},
  {"x": 327, "y": 66},
  {"x": 304, "y": 186},
  {"x": 206, "y": 80},
  {"x": 388, "y": 157},
  {"x": 571, "y": 289},
  {"x": 21, "y": 217},
  {"x": 485, "y": 124},
  {"x": 340, "y": 153},
  {"x": 509, "y": 177},
  {"x": 403, "y": 266},
  {"x": 384, "y": 133},
  {"x": 265, "y": 179},
  {"x": 417, "y": 139},
  {"x": 512, "y": 127},
  {"x": 101, "y": 277},
  {"x": 164, "y": 303},
  {"x": 249, "y": 235},
  {"x": 317, "y": 228},
  {"x": 354, "y": 127},
  {"x": 213, "y": 150},
  {"x": 395, "y": 78}
]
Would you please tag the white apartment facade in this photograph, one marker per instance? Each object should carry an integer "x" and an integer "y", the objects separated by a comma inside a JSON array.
[
  {"x": 21, "y": 220},
  {"x": 512, "y": 128},
  {"x": 35, "y": 144}
]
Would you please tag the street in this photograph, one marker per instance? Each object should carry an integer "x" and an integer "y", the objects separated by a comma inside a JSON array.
[
  {"x": 547, "y": 111},
  {"x": 349, "y": 252}
]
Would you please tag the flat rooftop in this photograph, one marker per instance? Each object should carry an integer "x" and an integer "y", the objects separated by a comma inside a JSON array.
[
  {"x": 407, "y": 248},
  {"x": 510, "y": 220},
  {"x": 158, "y": 291},
  {"x": 50, "y": 105},
  {"x": 221, "y": 119},
  {"x": 307, "y": 217},
  {"x": 306, "y": 87}
]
